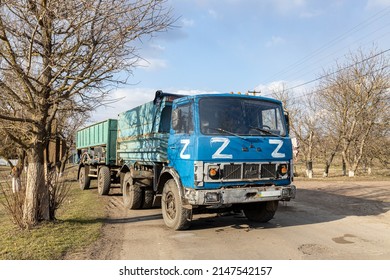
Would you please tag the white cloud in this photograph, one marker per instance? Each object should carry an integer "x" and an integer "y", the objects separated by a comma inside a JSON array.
[
  {"x": 311, "y": 14},
  {"x": 152, "y": 64},
  {"x": 377, "y": 3},
  {"x": 275, "y": 41},
  {"x": 285, "y": 6},
  {"x": 268, "y": 89},
  {"x": 157, "y": 47},
  {"x": 192, "y": 91},
  {"x": 214, "y": 14},
  {"x": 187, "y": 22},
  {"x": 128, "y": 98}
]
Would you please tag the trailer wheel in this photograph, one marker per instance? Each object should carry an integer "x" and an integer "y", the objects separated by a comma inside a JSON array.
[
  {"x": 104, "y": 180},
  {"x": 175, "y": 215},
  {"x": 261, "y": 212},
  {"x": 84, "y": 179},
  {"x": 132, "y": 193},
  {"x": 148, "y": 198}
]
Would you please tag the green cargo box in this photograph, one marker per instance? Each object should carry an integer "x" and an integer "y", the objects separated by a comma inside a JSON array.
[{"x": 102, "y": 134}]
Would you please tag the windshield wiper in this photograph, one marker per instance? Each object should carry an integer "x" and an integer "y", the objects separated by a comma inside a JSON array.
[
  {"x": 265, "y": 131},
  {"x": 232, "y": 133}
]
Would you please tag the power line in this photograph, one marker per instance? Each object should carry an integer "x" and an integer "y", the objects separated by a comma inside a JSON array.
[
  {"x": 318, "y": 90},
  {"x": 339, "y": 70},
  {"x": 341, "y": 37}
]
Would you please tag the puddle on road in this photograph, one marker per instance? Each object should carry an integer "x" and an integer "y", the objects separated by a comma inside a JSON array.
[
  {"x": 343, "y": 240},
  {"x": 313, "y": 249}
]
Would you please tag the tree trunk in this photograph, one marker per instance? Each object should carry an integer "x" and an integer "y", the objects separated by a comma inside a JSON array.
[
  {"x": 36, "y": 204},
  {"x": 326, "y": 169},
  {"x": 309, "y": 169},
  {"x": 344, "y": 168}
]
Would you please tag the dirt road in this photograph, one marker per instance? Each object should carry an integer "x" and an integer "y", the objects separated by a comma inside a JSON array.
[{"x": 327, "y": 220}]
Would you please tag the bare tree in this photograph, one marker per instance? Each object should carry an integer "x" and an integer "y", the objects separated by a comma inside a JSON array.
[
  {"x": 67, "y": 125},
  {"x": 329, "y": 136},
  {"x": 303, "y": 123},
  {"x": 60, "y": 53},
  {"x": 307, "y": 123},
  {"x": 355, "y": 98}
]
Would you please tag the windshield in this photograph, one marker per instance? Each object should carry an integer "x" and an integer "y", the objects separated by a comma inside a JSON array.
[{"x": 241, "y": 116}]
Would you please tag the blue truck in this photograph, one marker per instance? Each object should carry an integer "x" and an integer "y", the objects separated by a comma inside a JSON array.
[{"x": 193, "y": 154}]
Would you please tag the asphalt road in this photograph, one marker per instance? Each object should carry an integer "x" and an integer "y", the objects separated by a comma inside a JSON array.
[{"x": 328, "y": 220}]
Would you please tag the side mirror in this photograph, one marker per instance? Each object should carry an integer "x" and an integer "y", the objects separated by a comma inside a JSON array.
[
  {"x": 176, "y": 119},
  {"x": 287, "y": 118}
]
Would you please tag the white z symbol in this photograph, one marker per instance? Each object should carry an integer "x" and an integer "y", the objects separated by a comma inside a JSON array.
[
  {"x": 186, "y": 142},
  {"x": 276, "y": 153},
  {"x": 218, "y": 153}
]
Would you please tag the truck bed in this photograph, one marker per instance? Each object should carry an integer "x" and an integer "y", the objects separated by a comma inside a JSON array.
[
  {"x": 143, "y": 133},
  {"x": 102, "y": 134}
]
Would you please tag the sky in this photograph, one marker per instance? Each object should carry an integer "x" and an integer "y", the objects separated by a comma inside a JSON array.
[{"x": 240, "y": 45}]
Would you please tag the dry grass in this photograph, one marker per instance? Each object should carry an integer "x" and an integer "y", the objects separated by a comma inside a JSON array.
[
  {"x": 335, "y": 173},
  {"x": 78, "y": 224}
]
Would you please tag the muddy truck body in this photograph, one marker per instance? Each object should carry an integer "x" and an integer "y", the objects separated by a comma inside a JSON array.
[{"x": 193, "y": 154}]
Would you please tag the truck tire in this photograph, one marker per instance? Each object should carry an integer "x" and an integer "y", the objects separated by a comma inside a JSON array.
[
  {"x": 175, "y": 215},
  {"x": 84, "y": 179},
  {"x": 148, "y": 198},
  {"x": 132, "y": 193},
  {"x": 261, "y": 212},
  {"x": 104, "y": 180}
]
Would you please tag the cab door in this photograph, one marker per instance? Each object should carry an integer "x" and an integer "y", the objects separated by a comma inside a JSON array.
[{"x": 181, "y": 143}]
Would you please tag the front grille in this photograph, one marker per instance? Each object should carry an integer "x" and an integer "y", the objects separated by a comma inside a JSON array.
[
  {"x": 251, "y": 171},
  {"x": 243, "y": 171},
  {"x": 232, "y": 171},
  {"x": 268, "y": 171}
]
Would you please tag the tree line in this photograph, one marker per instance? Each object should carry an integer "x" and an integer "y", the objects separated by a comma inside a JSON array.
[{"x": 345, "y": 115}]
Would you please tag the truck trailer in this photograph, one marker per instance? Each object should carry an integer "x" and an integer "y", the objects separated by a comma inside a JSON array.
[{"x": 193, "y": 154}]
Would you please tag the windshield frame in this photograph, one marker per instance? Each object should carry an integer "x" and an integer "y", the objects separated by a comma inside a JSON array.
[{"x": 241, "y": 116}]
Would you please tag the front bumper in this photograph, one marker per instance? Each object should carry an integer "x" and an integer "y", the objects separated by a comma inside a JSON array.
[{"x": 225, "y": 196}]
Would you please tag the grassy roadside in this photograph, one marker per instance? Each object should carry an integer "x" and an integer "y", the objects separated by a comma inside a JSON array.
[
  {"x": 79, "y": 222},
  {"x": 335, "y": 174}
]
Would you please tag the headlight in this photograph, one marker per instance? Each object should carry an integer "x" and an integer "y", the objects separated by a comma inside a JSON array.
[
  {"x": 282, "y": 170},
  {"x": 214, "y": 172}
]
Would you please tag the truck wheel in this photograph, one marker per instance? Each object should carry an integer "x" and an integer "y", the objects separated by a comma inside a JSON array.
[
  {"x": 132, "y": 194},
  {"x": 122, "y": 179},
  {"x": 261, "y": 212},
  {"x": 148, "y": 198},
  {"x": 175, "y": 215},
  {"x": 84, "y": 179},
  {"x": 104, "y": 180}
]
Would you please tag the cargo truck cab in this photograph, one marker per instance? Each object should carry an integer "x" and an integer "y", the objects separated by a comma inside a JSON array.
[{"x": 227, "y": 151}]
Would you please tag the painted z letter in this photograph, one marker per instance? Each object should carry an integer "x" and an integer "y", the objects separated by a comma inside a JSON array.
[
  {"x": 276, "y": 153},
  {"x": 186, "y": 142},
  {"x": 218, "y": 153}
]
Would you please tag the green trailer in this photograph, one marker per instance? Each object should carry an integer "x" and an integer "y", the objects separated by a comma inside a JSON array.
[
  {"x": 96, "y": 149},
  {"x": 99, "y": 135}
]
